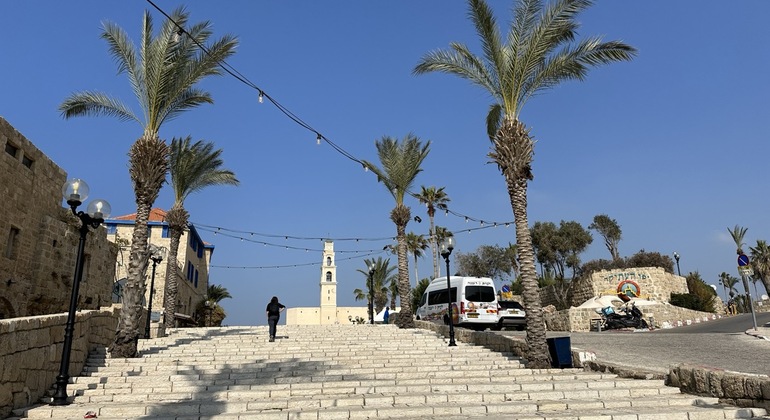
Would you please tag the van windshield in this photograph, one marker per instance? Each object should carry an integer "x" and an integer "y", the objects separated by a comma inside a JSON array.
[{"x": 480, "y": 293}]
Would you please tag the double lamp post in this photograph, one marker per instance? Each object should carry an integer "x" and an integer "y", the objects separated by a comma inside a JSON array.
[
  {"x": 75, "y": 191},
  {"x": 157, "y": 254},
  {"x": 446, "y": 247}
]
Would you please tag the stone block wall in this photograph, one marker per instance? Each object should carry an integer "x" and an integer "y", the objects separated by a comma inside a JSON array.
[
  {"x": 662, "y": 314},
  {"x": 654, "y": 284},
  {"x": 31, "y": 349},
  {"x": 39, "y": 237}
]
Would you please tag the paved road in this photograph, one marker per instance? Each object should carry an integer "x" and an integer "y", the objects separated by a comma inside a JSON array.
[{"x": 659, "y": 350}]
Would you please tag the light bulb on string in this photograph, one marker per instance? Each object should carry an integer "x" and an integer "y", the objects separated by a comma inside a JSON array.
[
  {"x": 261, "y": 97},
  {"x": 318, "y": 139}
]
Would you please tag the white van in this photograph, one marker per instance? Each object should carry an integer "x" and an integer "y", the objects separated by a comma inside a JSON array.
[{"x": 474, "y": 302}]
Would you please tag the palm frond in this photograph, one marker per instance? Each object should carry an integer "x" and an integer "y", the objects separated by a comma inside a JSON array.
[
  {"x": 494, "y": 119},
  {"x": 196, "y": 166},
  {"x": 486, "y": 26},
  {"x": 90, "y": 103},
  {"x": 459, "y": 62}
]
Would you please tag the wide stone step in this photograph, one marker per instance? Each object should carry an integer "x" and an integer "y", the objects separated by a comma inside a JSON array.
[{"x": 410, "y": 407}]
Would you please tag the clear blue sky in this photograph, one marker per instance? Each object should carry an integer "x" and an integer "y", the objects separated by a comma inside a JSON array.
[{"x": 673, "y": 145}]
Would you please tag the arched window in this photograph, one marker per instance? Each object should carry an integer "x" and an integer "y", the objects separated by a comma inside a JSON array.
[
  {"x": 329, "y": 261},
  {"x": 328, "y": 276}
]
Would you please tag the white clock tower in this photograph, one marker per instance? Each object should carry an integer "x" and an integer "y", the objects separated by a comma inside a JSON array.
[{"x": 328, "y": 285}]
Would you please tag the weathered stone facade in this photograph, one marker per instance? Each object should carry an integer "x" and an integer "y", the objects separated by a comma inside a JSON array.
[
  {"x": 654, "y": 284},
  {"x": 31, "y": 348},
  {"x": 40, "y": 237},
  {"x": 193, "y": 260}
]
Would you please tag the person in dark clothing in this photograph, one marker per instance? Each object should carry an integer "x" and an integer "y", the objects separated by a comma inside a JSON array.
[{"x": 273, "y": 312}]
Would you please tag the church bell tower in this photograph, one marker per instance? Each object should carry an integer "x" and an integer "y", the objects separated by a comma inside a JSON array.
[{"x": 328, "y": 285}]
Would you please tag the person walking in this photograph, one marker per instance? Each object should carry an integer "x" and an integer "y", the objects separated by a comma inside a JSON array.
[
  {"x": 386, "y": 315},
  {"x": 273, "y": 312}
]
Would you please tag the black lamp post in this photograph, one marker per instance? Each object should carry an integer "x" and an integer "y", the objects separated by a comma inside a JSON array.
[
  {"x": 371, "y": 294},
  {"x": 446, "y": 247},
  {"x": 75, "y": 191},
  {"x": 676, "y": 257},
  {"x": 157, "y": 253}
]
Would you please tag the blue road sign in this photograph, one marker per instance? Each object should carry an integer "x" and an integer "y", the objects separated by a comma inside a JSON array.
[
  {"x": 743, "y": 260},
  {"x": 506, "y": 289}
]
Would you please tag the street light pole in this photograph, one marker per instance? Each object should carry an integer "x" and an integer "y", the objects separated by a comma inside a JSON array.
[
  {"x": 446, "y": 247},
  {"x": 75, "y": 191},
  {"x": 156, "y": 255},
  {"x": 371, "y": 294},
  {"x": 676, "y": 257}
]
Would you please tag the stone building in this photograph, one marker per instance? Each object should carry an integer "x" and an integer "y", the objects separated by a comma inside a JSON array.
[
  {"x": 328, "y": 312},
  {"x": 193, "y": 262},
  {"x": 40, "y": 237}
]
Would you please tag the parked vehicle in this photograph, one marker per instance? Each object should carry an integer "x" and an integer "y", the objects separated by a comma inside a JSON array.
[
  {"x": 627, "y": 316},
  {"x": 511, "y": 314},
  {"x": 473, "y": 300}
]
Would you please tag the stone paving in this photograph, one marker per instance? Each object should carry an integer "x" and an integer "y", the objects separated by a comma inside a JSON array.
[{"x": 354, "y": 372}]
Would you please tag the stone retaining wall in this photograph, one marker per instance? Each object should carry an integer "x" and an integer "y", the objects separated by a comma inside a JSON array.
[
  {"x": 31, "y": 347},
  {"x": 662, "y": 315},
  {"x": 742, "y": 390}
]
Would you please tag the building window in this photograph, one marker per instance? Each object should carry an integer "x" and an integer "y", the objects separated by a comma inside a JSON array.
[
  {"x": 11, "y": 243},
  {"x": 112, "y": 229},
  {"x": 26, "y": 161},
  {"x": 164, "y": 232},
  {"x": 200, "y": 251},
  {"x": 11, "y": 149},
  {"x": 328, "y": 276},
  {"x": 329, "y": 261},
  {"x": 196, "y": 279}
]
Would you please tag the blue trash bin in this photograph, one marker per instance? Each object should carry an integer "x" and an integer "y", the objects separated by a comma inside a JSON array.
[{"x": 560, "y": 350}]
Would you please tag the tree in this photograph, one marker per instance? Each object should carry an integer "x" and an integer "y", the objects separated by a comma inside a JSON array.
[
  {"x": 400, "y": 165},
  {"x": 418, "y": 291},
  {"x": 193, "y": 167},
  {"x": 559, "y": 248},
  {"x": 723, "y": 279},
  {"x": 610, "y": 231},
  {"x": 433, "y": 198},
  {"x": 488, "y": 261},
  {"x": 382, "y": 277},
  {"x": 163, "y": 77},
  {"x": 415, "y": 245},
  {"x": 539, "y": 52},
  {"x": 760, "y": 261},
  {"x": 738, "y": 233},
  {"x": 208, "y": 311}
]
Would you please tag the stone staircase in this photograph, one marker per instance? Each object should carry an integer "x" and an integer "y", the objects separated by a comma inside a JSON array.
[{"x": 354, "y": 372}]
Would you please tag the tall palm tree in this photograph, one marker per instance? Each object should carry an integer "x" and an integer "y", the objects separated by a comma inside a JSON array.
[
  {"x": 401, "y": 162},
  {"x": 208, "y": 309},
  {"x": 163, "y": 76},
  {"x": 760, "y": 261},
  {"x": 415, "y": 245},
  {"x": 434, "y": 198},
  {"x": 382, "y": 277},
  {"x": 539, "y": 52},
  {"x": 738, "y": 233},
  {"x": 723, "y": 280},
  {"x": 193, "y": 167}
]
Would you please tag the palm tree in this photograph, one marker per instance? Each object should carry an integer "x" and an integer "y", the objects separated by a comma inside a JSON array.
[
  {"x": 738, "y": 233},
  {"x": 760, "y": 261},
  {"x": 539, "y": 52},
  {"x": 434, "y": 198},
  {"x": 163, "y": 76},
  {"x": 723, "y": 280},
  {"x": 415, "y": 245},
  {"x": 209, "y": 309},
  {"x": 382, "y": 277},
  {"x": 400, "y": 165},
  {"x": 193, "y": 167}
]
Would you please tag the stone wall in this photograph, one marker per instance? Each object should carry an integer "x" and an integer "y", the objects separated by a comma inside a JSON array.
[
  {"x": 654, "y": 284},
  {"x": 660, "y": 314},
  {"x": 39, "y": 237},
  {"x": 31, "y": 347}
]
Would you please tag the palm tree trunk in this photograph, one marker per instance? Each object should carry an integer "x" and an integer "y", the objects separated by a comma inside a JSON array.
[
  {"x": 400, "y": 216},
  {"x": 537, "y": 353},
  {"x": 417, "y": 275},
  {"x": 148, "y": 164},
  {"x": 433, "y": 249},
  {"x": 177, "y": 221},
  {"x": 513, "y": 151}
]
